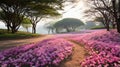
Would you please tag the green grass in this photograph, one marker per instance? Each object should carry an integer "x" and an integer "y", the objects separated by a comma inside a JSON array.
[
  {"x": 98, "y": 27},
  {"x": 4, "y": 34}
]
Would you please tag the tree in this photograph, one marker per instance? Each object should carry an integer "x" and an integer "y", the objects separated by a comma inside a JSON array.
[
  {"x": 110, "y": 10},
  {"x": 102, "y": 20},
  {"x": 116, "y": 12},
  {"x": 99, "y": 11},
  {"x": 40, "y": 13},
  {"x": 26, "y": 23},
  {"x": 3, "y": 18},
  {"x": 50, "y": 27},
  {"x": 16, "y": 10},
  {"x": 70, "y": 24}
]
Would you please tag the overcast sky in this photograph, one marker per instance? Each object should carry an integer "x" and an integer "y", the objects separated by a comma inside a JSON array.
[{"x": 77, "y": 11}]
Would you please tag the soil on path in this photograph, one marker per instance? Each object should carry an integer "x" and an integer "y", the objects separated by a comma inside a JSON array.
[
  {"x": 4, "y": 44},
  {"x": 79, "y": 55}
]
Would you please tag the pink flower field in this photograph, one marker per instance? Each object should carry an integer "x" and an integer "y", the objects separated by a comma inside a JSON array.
[
  {"x": 103, "y": 48},
  {"x": 48, "y": 53}
]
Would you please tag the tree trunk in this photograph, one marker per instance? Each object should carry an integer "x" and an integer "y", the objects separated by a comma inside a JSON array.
[
  {"x": 108, "y": 28},
  {"x": 56, "y": 30},
  {"x": 34, "y": 29},
  {"x": 67, "y": 29},
  {"x": 27, "y": 30},
  {"x": 118, "y": 21},
  {"x": 48, "y": 31},
  {"x": 8, "y": 28},
  {"x": 52, "y": 31},
  {"x": 118, "y": 26},
  {"x": 107, "y": 24},
  {"x": 114, "y": 25},
  {"x": 13, "y": 30}
]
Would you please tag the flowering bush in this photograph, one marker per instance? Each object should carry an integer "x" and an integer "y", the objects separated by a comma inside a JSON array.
[
  {"x": 47, "y": 53},
  {"x": 103, "y": 46}
]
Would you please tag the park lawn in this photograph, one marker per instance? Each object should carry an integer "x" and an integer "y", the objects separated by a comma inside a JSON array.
[{"x": 5, "y": 35}]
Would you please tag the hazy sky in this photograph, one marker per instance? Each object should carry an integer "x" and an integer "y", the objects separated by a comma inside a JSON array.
[
  {"x": 77, "y": 11},
  {"x": 74, "y": 10},
  {"x": 69, "y": 12}
]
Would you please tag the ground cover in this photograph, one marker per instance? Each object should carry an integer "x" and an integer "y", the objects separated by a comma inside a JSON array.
[
  {"x": 103, "y": 46},
  {"x": 49, "y": 52}
]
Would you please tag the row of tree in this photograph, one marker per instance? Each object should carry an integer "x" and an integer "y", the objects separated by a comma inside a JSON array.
[
  {"x": 14, "y": 12},
  {"x": 106, "y": 11}
]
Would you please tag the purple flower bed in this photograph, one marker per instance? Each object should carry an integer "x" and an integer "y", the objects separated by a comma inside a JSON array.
[
  {"x": 47, "y": 53},
  {"x": 103, "y": 47},
  {"x": 101, "y": 60}
]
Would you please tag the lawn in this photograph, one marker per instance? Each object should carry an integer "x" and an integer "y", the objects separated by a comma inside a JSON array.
[{"x": 5, "y": 35}]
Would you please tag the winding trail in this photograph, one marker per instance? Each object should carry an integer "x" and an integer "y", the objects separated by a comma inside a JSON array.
[{"x": 79, "y": 55}]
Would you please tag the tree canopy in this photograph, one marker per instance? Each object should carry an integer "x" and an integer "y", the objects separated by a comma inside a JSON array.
[
  {"x": 70, "y": 24},
  {"x": 16, "y": 10}
]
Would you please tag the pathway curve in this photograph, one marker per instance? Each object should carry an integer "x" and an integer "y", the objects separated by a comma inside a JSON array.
[{"x": 79, "y": 55}]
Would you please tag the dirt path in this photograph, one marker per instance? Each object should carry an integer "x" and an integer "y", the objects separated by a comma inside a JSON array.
[
  {"x": 12, "y": 43},
  {"x": 78, "y": 56}
]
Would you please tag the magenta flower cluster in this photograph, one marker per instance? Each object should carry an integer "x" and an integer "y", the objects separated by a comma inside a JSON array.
[
  {"x": 103, "y": 47},
  {"x": 47, "y": 53}
]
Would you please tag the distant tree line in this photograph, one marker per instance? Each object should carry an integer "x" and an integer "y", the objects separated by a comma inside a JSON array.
[
  {"x": 13, "y": 12},
  {"x": 106, "y": 11},
  {"x": 66, "y": 24}
]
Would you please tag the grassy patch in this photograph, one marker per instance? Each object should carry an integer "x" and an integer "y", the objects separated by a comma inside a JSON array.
[
  {"x": 4, "y": 34},
  {"x": 98, "y": 27}
]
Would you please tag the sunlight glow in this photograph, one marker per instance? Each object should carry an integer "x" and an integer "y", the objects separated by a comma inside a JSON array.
[{"x": 76, "y": 12}]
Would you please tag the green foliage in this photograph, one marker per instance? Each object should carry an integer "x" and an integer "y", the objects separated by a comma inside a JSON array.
[
  {"x": 3, "y": 16},
  {"x": 98, "y": 27},
  {"x": 15, "y": 10},
  {"x": 68, "y": 22},
  {"x": 26, "y": 21}
]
